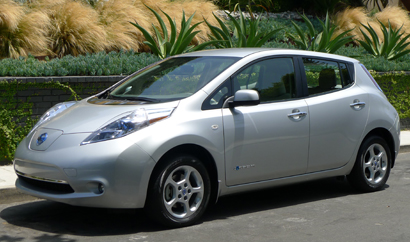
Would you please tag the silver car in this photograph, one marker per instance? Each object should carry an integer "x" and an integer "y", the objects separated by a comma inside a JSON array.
[{"x": 178, "y": 134}]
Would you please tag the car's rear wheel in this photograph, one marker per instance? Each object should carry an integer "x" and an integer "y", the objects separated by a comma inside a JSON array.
[
  {"x": 372, "y": 167},
  {"x": 179, "y": 191}
]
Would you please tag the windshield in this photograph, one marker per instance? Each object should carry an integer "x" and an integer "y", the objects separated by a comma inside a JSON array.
[{"x": 172, "y": 79}]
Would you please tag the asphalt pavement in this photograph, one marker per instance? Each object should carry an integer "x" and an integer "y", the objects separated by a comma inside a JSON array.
[{"x": 316, "y": 211}]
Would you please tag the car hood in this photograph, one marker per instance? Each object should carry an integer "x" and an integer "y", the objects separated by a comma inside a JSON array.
[{"x": 86, "y": 117}]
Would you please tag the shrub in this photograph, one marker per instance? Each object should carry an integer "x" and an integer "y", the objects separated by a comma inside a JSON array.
[
  {"x": 198, "y": 8},
  {"x": 164, "y": 45},
  {"x": 115, "y": 16},
  {"x": 325, "y": 41},
  {"x": 396, "y": 87},
  {"x": 16, "y": 115},
  {"x": 391, "y": 47},
  {"x": 22, "y": 30},
  {"x": 76, "y": 30},
  {"x": 353, "y": 18},
  {"x": 243, "y": 36},
  {"x": 119, "y": 63},
  {"x": 396, "y": 16},
  {"x": 261, "y": 5},
  {"x": 62, "y": 27},
  {"x": 276, "y": 44}
]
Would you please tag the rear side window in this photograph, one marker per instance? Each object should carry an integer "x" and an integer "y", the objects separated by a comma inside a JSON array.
[
  {"x": 346, "y": 78},
  {"x": 325, "y": 76}
]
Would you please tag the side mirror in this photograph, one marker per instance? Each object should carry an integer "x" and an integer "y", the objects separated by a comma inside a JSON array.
[{"x": 245, "y": 98}]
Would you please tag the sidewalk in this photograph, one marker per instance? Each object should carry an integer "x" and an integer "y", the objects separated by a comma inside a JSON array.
[{"x": 8, "y": 176}]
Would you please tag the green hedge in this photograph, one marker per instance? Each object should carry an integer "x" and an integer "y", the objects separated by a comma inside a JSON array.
[
  {"x": 396, "y": 87},
  {"x": 113, "y": 63},
  {"x": 125, "y": 63}
]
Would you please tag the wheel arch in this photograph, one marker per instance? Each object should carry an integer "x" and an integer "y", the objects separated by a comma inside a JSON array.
[
  {"x": 388, "y": 137},
  {"x": 201, "y": 153}
]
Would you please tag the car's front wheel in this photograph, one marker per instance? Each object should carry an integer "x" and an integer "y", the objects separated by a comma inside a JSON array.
[
  {"x": 372, "y": 167},
  {"x": 179, "y": 191}
]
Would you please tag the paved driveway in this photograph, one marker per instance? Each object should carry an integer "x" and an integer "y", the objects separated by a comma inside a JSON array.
[{"x": 326, "y": 210}]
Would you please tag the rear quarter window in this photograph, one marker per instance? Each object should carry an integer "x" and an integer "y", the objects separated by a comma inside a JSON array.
[{"x": 371, "y": 77}]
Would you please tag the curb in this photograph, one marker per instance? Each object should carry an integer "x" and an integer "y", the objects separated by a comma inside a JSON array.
[{"x": 404, "y": 149}]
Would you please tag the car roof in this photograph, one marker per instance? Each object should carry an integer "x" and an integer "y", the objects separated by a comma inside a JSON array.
[
  {"x": 243, "y": 52},
  {"x": 228, "y": 52}
]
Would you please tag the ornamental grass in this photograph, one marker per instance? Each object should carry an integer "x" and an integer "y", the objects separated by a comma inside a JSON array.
[
  {"x": 22, "y": 30},
  {"x": 398, "y": 17},
  {"x": 76, "y": 29},
  {"x": 62, "y": 27},
  {"x": 115, "y": 16},
  {"x": 353, "y": 18},
  {"x": 203, "y": 9}
]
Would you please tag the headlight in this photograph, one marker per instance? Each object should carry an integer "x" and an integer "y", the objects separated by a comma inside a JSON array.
[
  {"x": 131, "y": 123},
  {"x": 52, "y": 112}
]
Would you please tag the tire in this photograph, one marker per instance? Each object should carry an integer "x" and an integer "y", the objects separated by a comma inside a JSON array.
[
  {"x": 179, "y": 192},
  {"x": 372, "y": 167}
]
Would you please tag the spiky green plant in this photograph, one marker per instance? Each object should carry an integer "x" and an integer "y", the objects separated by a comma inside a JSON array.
[
  {"x": 321, "y": 42},
  {"x": 391, "y": 47},
  {"x": 242, "y": 35},
  {"x": 165, "y": 45}
]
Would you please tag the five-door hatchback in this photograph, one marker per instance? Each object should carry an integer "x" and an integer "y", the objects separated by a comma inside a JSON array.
[{"x": 178, "y": 134}]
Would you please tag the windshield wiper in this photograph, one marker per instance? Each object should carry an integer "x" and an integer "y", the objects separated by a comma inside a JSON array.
[{"x": 145, "y": 99}]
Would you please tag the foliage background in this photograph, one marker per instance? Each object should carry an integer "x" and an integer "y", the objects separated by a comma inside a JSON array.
[
  {"x": 97, "y": 39},
  {"x": 16, "y": 118},
  {"x": 396, "y": 87}
]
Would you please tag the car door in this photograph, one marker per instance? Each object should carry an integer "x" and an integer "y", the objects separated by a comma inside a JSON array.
[
  {"x": 269, "y": 140},
  {"x": 338, "y": 112}
]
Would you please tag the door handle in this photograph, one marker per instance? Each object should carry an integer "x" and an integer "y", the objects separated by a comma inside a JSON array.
[
  {"x": 357, "y": 104},
  {"x": 297, "y": 114}
]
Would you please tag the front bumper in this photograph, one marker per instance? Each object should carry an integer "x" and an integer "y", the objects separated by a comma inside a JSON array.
[{"x": 111, "y": 174}]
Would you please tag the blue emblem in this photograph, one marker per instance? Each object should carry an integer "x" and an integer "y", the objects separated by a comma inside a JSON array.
[{"x": 42, "y": 138}]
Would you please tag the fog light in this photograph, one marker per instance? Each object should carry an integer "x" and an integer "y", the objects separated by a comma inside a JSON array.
[{"x": 101, "y": 188}]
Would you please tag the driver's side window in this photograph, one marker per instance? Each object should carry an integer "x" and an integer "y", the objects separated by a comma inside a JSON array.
[{"x": 274, "y": 79}]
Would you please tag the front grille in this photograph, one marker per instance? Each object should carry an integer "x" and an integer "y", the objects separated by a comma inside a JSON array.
[{"x": 45, "y": 186}]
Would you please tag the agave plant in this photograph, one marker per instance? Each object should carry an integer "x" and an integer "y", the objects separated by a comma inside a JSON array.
[
  {"x": 321, "y": 42},
  {"x": 242, "y": 36},
  {"x": 391, "y": 47},
  {"x": 164, "y": 45}
]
